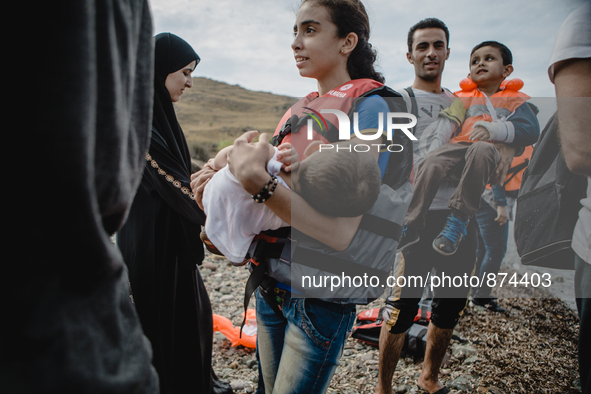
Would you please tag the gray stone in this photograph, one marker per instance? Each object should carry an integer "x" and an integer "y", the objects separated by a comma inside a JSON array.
[
  {"x": 366, "y": 357},
  {"x": 463, "y": 351},
  {"x": 459, "y": 383},
  {"x": 239, "y": 384},
  {"x": 226, "y": 290},
  {"x": 401, "y": 389}
]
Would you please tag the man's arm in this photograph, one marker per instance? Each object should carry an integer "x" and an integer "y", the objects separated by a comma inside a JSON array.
[
  {"x": 507, "y": 152},
  {"x": 573, "y": 96}
]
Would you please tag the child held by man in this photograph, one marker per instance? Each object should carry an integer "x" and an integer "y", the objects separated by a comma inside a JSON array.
[{"x": 490, "y": 109}]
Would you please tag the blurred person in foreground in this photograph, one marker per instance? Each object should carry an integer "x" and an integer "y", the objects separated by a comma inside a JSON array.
[
  {"x": 69, "y": 324},
  {"x": 570, "y": 71}
]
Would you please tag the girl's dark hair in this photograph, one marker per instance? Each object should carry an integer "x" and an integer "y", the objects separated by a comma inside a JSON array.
[{"x": 349, "y": 16}]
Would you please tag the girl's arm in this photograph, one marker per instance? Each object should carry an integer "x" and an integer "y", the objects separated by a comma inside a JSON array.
[{"x": 247, "y": 163}]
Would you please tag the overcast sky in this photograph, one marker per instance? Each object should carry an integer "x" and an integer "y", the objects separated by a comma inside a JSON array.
[{"x": 247, "y": 42}]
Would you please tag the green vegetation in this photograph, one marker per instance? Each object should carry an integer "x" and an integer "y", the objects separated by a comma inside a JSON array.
[{"x": 213, "y": 114}]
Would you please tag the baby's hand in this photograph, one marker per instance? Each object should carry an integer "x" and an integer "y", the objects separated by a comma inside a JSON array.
[
  {"x": 211, "y": 164},
  {"x": 479, "y": 133},
  {"x": 288, "y": 156}
]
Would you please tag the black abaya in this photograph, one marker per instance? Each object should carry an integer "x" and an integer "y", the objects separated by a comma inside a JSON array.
[{"x": 161, "y": 246}]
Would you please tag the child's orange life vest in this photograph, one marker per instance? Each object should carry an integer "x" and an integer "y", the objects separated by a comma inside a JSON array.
[{"x": 505, "y": 102}]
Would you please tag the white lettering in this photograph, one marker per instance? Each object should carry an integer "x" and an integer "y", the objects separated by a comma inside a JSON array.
[
  {"x": 368, "y": 137},
  {"x": 344, "y": 124},
  {"x": 404, "y": 126},
  {"x": 310, "y": 129},
  {"x": 390, "y": 149}
]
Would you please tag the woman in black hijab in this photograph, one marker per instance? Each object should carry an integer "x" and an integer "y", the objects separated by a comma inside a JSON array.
[{"x": 160, "y": 240}]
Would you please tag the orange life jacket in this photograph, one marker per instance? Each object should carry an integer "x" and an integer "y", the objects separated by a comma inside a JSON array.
[
  {"x": 505, "y": 102},
  {"x": 276, "y": 253},
  {"x": 513, "y": 179},
  {"x": 340, "y": 98}
]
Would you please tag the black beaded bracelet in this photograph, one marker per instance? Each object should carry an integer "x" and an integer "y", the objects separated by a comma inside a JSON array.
[{"x": 266, "y": 192}]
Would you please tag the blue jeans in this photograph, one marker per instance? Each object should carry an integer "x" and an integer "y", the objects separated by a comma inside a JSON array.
[
  {"x": 492, "y": 245},
  {"x": 300, "y": 354}
]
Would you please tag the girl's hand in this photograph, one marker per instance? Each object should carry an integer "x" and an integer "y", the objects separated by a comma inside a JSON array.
[
  {"x": 199, "y": 180},
  {"x": 288, "y": 156},
  {"x": 248, "y": 162}
]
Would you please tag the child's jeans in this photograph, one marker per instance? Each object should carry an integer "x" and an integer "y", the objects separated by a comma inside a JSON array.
[
  {"x": 472, "y": 164},
  {"x": 492, "y": 245},
  {"x": 300, "y": 354}
]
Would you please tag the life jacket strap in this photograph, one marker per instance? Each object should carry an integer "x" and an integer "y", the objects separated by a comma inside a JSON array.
[
  {"x": 515, "y": 170},
  {"x": 381, "y": 226},
  {"x": 259, "y": 279}
]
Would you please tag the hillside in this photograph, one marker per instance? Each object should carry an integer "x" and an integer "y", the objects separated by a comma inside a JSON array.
[{"x": 212, "y": 114}]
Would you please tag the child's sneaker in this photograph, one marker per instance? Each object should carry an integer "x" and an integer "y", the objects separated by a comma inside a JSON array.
[
  {"x": 410, "y": 236},
  {"x": 448, "y": 240}
]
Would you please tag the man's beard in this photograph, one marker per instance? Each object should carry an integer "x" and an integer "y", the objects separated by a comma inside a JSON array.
[{"x": 428, "y": 77}]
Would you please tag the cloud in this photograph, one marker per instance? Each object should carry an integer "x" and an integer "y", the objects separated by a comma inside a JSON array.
[{"x": 247, "y": 42}]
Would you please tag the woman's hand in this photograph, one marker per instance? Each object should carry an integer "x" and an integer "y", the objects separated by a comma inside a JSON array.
[{"x": 199, "y": 180}]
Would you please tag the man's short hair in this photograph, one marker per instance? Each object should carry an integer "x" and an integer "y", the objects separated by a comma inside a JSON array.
[
  {"x": 427, "y": 24},
  {"x": 340, "y": 184},
  {"x": 505, "y": 52}
]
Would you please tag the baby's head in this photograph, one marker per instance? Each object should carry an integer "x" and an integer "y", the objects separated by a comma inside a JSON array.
[
  {"x": 490, "y": 63},
  {"x": 339, "y": 183}
]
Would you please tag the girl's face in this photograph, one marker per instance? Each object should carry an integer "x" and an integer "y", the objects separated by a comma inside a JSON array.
[
  {"x": 177, "y": 81},
  {"x": 316, "y": 47}
]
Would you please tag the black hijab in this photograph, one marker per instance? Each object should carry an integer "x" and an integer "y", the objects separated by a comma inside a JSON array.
[
  {"x": 172, "y": 53},
  {"x": 168, "y": 148}
]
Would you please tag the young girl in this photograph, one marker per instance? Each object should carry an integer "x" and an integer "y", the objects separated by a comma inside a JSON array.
[{"x": 300, "y": 340}]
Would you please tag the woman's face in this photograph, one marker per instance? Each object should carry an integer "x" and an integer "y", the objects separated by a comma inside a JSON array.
[
  {"x": 177, "y": 81},
  {"x": 316, "y": 47}
]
